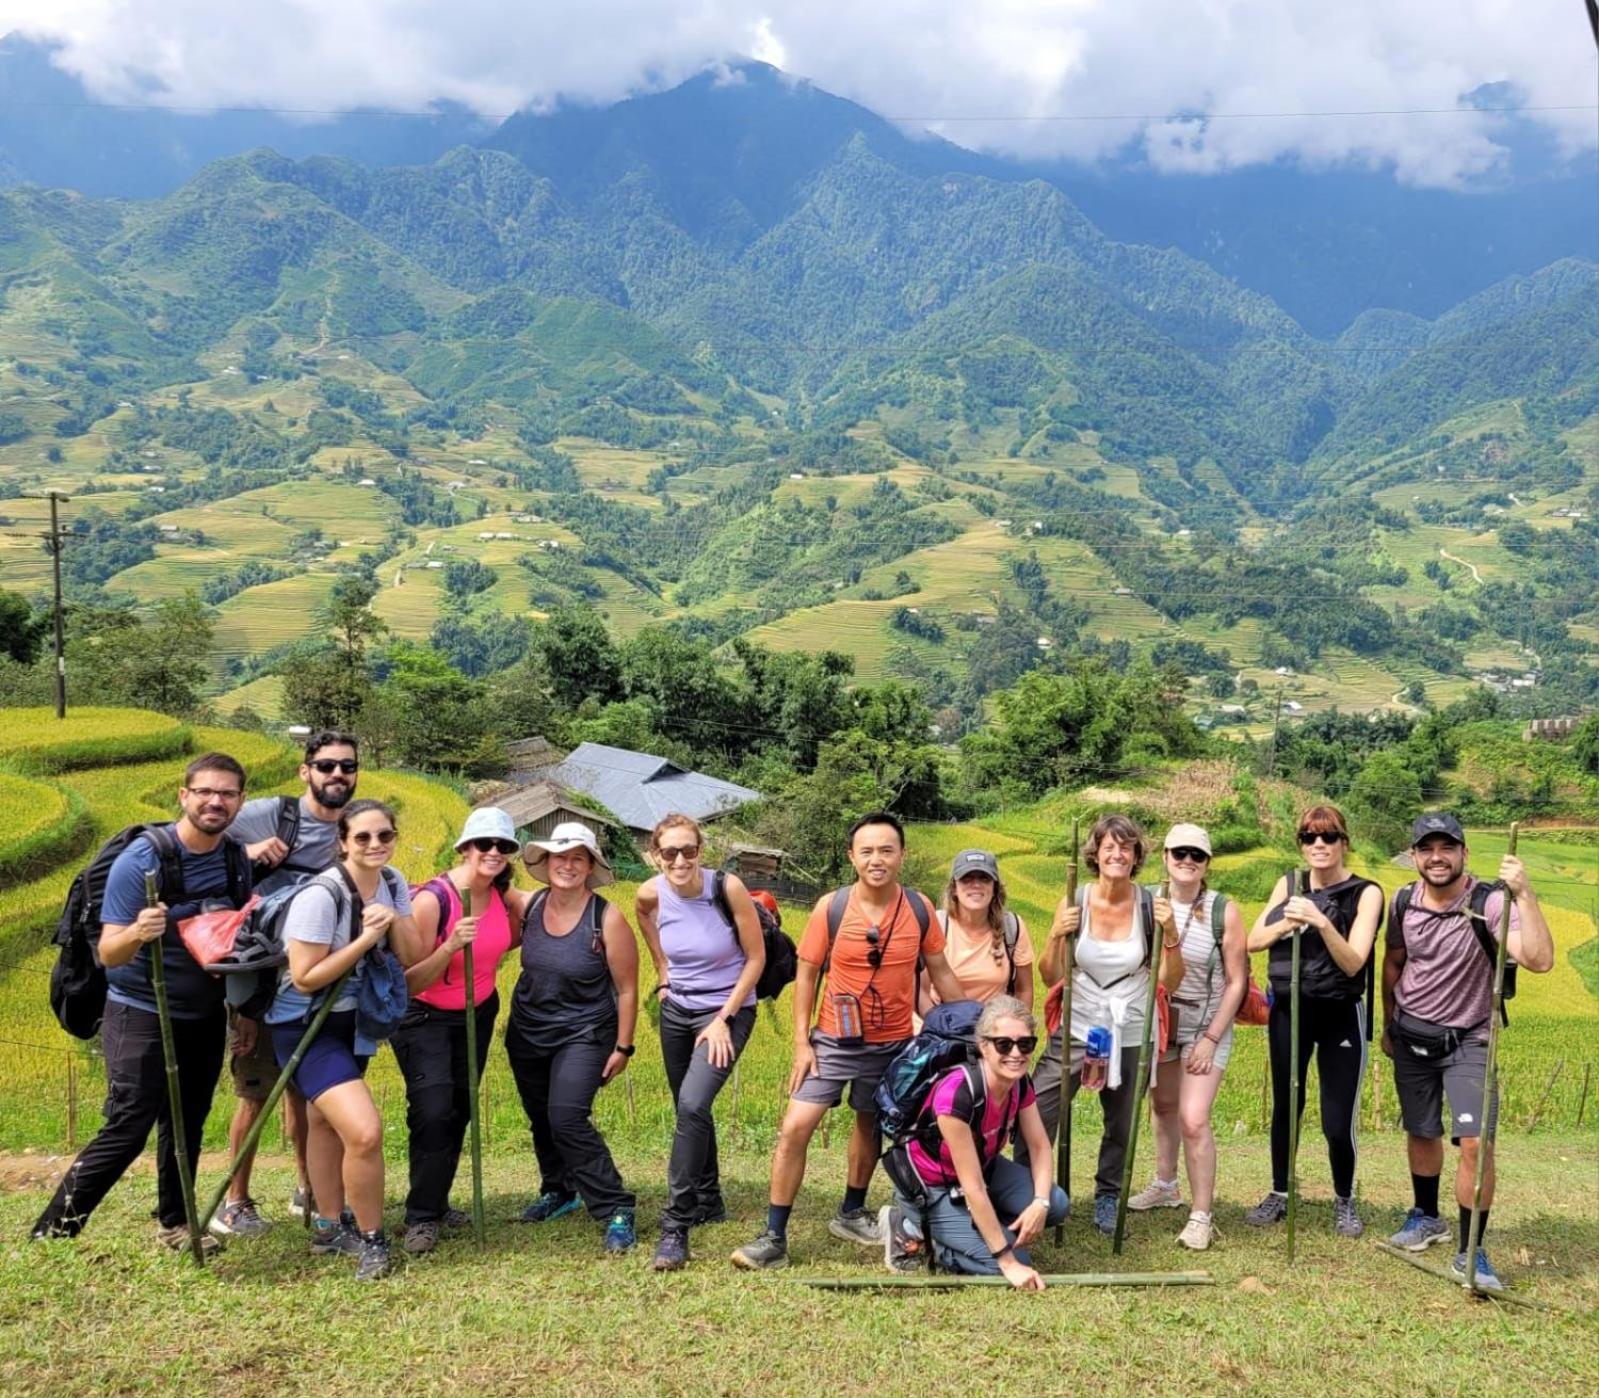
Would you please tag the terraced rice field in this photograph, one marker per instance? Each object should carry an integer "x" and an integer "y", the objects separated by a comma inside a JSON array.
[{"x": 270, "y": 615}]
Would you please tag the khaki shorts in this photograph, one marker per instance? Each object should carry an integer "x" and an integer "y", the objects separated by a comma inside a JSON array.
[{"x": 254, "y": 1072}]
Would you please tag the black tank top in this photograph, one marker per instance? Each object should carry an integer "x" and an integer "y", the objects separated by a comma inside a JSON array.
[
  {"x": 565, "y": 990},
  {"x": 1319, "y": 975}
]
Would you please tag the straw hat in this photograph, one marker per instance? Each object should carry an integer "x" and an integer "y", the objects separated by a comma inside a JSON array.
[{"x": 569, "y": 835}]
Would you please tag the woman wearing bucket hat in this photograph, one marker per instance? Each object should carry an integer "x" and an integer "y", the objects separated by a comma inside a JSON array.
[
  {"x": 471, "y": 904},
  {"x": 1215, "y": 979},
  {"x": 571, "y": 1028},
  {"x": 986, "y": 944}
]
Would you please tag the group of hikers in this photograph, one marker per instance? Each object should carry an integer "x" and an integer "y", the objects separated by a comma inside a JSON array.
[{"x": 877, "y": 962}]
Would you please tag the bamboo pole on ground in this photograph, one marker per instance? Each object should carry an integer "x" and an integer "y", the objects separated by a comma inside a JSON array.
[
  {"x": 474, "y": 1116},
  {"x": 946, "y": 1281},
  {"x": 1508, "y": 1297},
  {"x": 1140, "y": 1081},
  {"x": 1063, "y": 1126},
  {"x": 1293, "y": 1076}
]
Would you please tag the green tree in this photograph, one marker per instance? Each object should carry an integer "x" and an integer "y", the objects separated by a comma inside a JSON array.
[
  {"x": 579, "y": 656},
  {"x": 1585, "y": 745},
  {"x": 20, "y": 631},
  {"x": 1384, "y": 799}
]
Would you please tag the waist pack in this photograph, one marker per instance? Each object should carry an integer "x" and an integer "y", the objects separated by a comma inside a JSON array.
[{"x": 1432, "y": 1043}]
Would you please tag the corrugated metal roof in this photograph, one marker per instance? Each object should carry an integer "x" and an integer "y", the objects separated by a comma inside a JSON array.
[
  {"x": 537, "y": 799},
  {"x": 641, "y": 788}
]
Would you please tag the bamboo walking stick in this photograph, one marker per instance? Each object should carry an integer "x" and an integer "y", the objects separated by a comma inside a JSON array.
[
  {"x": 1293, "y": 1071},
  {"x": 1063, "y": 1160},
  {"x": 169, "y": 1051},
  {"x": 1140, "y": 1081},
  {"x": 474, "y": 1118},
  {"x": 1490, "y": 1082}
]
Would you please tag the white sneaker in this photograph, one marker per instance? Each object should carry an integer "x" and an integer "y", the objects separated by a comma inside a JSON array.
[
  {"x": 1161, "y": 1194},
  {"x": 1197, "y": 1232}
]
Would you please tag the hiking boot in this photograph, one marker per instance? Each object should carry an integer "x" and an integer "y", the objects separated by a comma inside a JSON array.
[
  {"x": 1487, "y": 1278},
  {"x": 373, "y": 1260},
  {"x": 300, "y": 1205},
  {"x": 620, "y": 1235},
  {"x": 767, "y": 1252},
  {"x": 420, "y": 1238},
  {"x": 456, "y": 1218},
  {"x": 1272, "y": 1209},
  {"x": 548, "y": 1205},
  {"x": 177, "y": 1238},
  {"x": 1197, "y": 1232},
  {"x": 903, "y": 1247},
  {"x": 1105, "y": 1213},
  {"x": 671, "y": 1253},
  {"x": 856, "y": 1226},
  {"x": 715, "y": 1211},
  {"x": 1419, "y": 1232},
  {"x": 1346, "y": 1222},
  {"x": 239, "y": 1219},
  {"x": 1161, "y": 1194},
  {"x": 335, "y": 1235}
]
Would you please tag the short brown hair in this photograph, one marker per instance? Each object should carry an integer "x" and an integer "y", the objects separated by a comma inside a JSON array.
[
  {"x": 1324, "y": 818},
  {"x": 1124, "y": 830},
  {"x": 213, "y": 762}
]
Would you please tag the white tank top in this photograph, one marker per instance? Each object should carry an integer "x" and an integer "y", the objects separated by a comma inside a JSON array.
[{"x": 1111, "y": 983}]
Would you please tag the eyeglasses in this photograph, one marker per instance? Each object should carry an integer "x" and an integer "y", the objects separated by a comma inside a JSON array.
[
  {"x": 374, "y": 837},
  {"x": 484, "y": 843},
  {"x": 1322, "y": 837},
  {"x": 1005, "y": 1046},
  {"x": 325, "y": 765},
  {"x": 1186, "y": 854},
  {"x": 672, "y": 854},
  {"x": 211, "y": 793}
]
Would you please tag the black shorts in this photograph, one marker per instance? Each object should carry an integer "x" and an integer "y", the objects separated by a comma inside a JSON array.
[{"x": 1422, "y": 1081}]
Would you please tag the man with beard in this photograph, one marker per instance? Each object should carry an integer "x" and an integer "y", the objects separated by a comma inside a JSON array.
[
  {"x": 1437, "y": 990},
  {"x": 210, "y": 871},
  {"x": 288, "y": 840}
]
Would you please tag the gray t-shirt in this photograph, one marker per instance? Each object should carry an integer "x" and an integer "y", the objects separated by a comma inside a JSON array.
[
  {"x": 316, "y": 846},
  {"x": 321, "y": 916}
]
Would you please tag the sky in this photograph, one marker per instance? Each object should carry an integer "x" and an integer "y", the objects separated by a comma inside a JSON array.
[{"x": 1194, "y": 86}]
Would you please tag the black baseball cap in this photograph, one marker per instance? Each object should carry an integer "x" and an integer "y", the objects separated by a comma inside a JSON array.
[
  {"x": 1436, "y": 823},
  {"x": 975, "y": 861}
]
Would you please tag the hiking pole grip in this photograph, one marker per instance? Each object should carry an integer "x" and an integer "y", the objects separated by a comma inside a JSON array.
[
  {"x": 169, "y": 1052},
  {"x": 1489, "y": 1127},
  {"x": 1063, "y": 1159},
  {"x": 474, "y": 1125},
  {"x": 246, "y": 1148},
  {"x": 1140, "y": 1079},
  {"x": 1293, "y": 1074}
]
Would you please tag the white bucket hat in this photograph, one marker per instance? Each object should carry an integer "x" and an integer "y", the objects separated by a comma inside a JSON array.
[
  {"x": 569, "y": 835},
  {"x": 487, "y": 823},
  {"x": 1184, "y": 836}
]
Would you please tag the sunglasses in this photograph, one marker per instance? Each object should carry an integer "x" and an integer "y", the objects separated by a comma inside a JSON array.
[
  {"x": 363, "y": 838},
  {"x": 1005, "y": 1046},
  {"x": 1320, "y": 837},
  {"x": 1187, "y": 854},
  {"x": 672, "y": 854},
  {"x": 874, "y": 954},
  {"x": 326, "y": 765},
  {"x": 484, "y": 843}
]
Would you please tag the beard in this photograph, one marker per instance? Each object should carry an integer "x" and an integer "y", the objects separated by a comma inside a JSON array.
[
  {"x": 334, "y": 795},
  {"x": 1436, "y": 880}
]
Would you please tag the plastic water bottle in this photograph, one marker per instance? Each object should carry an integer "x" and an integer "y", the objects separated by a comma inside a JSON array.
[{"x": 1096, "y": 1058}]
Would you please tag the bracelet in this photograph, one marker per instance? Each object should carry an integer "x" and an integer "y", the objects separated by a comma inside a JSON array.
[
  {"x": 1171, "y": 946},
  {"x": 661, "y": 988},
  {"x": 1002, "y": 1251},
  {"x": 1039, "y": 1199},
  {"x": 627, "y": 1050},
  {"x": 1208, "y": 1035}
]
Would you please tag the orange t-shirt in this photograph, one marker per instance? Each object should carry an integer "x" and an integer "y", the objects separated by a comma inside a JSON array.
[
  {"x": 888, "y": 993},
  {"x": 972, "y": 961}
]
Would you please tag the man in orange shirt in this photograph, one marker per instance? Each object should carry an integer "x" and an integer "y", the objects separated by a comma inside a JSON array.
[{"x": 866, "y": 940}]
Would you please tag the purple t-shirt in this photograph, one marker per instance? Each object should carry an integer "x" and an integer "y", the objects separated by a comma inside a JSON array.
[
  {"x": 1447, "y": 980},
  {"x": 952, "y": 1096}
]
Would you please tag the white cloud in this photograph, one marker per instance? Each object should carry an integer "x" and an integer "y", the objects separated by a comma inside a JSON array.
[{"x": 1027, "y": 77}]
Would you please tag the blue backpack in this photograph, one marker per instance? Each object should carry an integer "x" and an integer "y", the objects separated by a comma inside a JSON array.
[{"x": 948, "y": 1040}]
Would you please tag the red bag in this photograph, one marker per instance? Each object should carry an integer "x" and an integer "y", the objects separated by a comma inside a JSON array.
[
  {"x": 1055, "y": 1010},
  {"x": 210, "y": 936},
  {"x": 1162, "y": 1019},
  {"x": 1256, "y": 1008}
]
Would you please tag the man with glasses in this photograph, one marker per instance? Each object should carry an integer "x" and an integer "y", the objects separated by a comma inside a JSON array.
[
  {"x": 212, "y": 873},
  {"x": 289, "y": 840},
  {"x": 866, "y": 940}
]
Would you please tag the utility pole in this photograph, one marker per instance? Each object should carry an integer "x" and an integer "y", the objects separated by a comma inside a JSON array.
[
  {"x": 55, "y": 559},
  {"x": 1276, "y": 723}
]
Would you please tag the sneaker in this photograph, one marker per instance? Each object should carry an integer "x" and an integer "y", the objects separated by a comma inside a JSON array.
[
  {"x": 713, "y": 1212},
  {"x": 671, "y": 1253},
  {"x": 239, "y": 1219},
  {"x": 1159, "y": 1195},
  {"x": 373, "y": 1260},
  {"x": 1105, "y": 1213},
  {"x": 1487, "y": 1278},
  {"x": 335, "y": 1235},
  {"x": 420, "y": 1238},
  {"x": 1346, "y": 1222},
  {"x": 456, "y": 1218},
  {"x": 177, "y": 1238},
  {"x": 1197, "y": 1232},
  {"x": 1272, "y": 1209},
  {"x": 1419, "y": 1232},
  {"x": 902, "y": 1240},
  {"x": 550, "y": 1204},
  {"x": 767, "y": 1252},
  {"x": 300, "y": 1205},
  {"x": 620, "y": 1235},
  {"x": 856, "y": 1226}
]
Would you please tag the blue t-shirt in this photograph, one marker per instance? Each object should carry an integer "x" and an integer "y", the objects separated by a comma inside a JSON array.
[{"x": 192, "y": 993}]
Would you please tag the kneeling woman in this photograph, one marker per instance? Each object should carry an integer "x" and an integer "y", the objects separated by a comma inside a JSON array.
[
  {"x": 571, "y": 1028},
  {"x": 329, "y": 927},
  {"x": 981, "y": 1209}
]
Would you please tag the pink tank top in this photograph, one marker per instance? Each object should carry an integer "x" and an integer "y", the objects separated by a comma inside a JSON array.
[{"x": 488, "y": 949}]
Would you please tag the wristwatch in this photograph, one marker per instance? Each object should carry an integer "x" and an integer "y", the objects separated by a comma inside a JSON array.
[
  {"x": 1039, "y": 1199},
  {"x": 627, "y": 1050}
]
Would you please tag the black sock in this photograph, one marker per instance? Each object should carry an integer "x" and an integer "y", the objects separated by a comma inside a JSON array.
[
  {"x": 777, "y": 1219},
  {"x": 1424, "y": 1189},
  {"x": 854, "y": 1198},
  {"x": 1465, "y": 1228}
]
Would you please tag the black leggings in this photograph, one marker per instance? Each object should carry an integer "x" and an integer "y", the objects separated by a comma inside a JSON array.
[{"x": 1335, "y": 1031}]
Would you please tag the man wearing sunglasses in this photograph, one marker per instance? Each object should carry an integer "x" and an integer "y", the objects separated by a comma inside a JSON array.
[{"x": 289, "y": 840}]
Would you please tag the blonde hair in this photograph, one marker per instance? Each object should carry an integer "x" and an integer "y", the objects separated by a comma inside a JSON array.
[{"x": 1004, "y": 1007}]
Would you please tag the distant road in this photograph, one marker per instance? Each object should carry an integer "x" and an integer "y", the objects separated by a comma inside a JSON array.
[{"x": 1475, "y": 575}]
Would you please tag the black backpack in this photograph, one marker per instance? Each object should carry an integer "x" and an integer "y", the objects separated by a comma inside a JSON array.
[
  {"x": 288, "y": 831},
  {"x": 1477, "y": 916},
  {"x": 948, "y": 1040},
  {"x": 782, "y": 964}
]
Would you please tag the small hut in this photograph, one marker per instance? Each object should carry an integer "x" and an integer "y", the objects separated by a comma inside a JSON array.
[{"x": 540, "y": 806}]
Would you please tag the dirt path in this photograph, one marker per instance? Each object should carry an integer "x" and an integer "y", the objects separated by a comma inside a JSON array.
[{"x": 1470, "y": 567}]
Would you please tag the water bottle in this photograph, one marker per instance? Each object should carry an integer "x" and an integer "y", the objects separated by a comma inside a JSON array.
[{"x": 1096, "y": 1058}]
